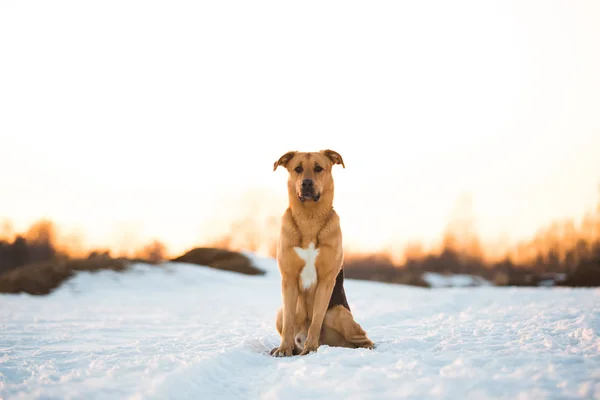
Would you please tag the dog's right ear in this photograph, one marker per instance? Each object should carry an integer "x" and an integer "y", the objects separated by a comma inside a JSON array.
[{"x": 284, "y": 159}]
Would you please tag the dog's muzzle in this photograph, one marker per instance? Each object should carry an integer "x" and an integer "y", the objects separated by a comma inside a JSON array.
[{"x": 308, "y": 191}]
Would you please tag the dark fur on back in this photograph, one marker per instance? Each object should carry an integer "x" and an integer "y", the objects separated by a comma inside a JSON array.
[{"x": 338, "y": 296}]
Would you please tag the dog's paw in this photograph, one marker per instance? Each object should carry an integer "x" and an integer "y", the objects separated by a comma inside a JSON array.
[
  {"x": 361, "y": 342},
  {"x": 368, "y": 345},
  {"x": 309, "y": 348},
  {"x": 282, "y": 351}
]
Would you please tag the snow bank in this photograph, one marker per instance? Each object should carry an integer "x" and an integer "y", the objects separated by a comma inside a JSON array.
[{"x": 455, "y": 280}]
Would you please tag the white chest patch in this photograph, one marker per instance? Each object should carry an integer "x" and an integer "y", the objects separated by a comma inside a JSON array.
[{"x": 308, "y": 275}]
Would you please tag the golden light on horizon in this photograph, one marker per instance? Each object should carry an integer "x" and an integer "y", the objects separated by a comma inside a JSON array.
[{"x": 128, "y": 121}]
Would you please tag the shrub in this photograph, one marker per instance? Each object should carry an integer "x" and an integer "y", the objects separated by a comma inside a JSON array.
[{"x": 220, "y": 259}]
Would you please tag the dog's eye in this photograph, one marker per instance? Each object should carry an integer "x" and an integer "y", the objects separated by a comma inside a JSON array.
[
  {"x": 298, "y": 169},
  {"x": 318, "y": 169}
]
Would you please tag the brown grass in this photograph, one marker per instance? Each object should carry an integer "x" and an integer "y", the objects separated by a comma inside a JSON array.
[
  {"x": 43, "y": 277},
  {"x": 220, "y": 259}
]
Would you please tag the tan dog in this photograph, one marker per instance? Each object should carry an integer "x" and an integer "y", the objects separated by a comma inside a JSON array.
[{"x": 310, "y": 258}]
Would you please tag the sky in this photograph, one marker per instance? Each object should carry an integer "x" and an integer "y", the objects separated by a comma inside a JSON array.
[{"x": 132, "y": 120}]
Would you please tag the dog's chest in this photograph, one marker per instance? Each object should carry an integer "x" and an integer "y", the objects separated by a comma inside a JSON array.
[{"x": 308, "y": 275}]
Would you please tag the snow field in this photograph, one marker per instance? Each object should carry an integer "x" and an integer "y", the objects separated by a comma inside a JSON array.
[{"x": 184, "y": 331}]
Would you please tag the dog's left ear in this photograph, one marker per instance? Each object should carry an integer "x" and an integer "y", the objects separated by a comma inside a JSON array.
[
  {"x": 284, "y": 160},
  {"x": 334, "y": 156}
]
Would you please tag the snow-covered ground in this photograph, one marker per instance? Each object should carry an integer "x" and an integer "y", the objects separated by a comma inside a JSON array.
[{"x": 193, "y": 332}]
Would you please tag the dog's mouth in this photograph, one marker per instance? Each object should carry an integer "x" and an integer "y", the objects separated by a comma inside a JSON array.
[{"x": 309, "y": 196}]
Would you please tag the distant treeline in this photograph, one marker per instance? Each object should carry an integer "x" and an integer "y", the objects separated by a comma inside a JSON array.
[
  {"x": 39, "y": 245},
  {"x": 562, "y": 254},
  {"x": 544, "y": 270},
  {"x": 35, "y": 246},
  {"x": 33, "y": 264}
]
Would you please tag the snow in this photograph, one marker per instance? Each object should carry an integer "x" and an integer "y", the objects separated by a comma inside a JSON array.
[
  {"x": 453, "y": 280},
  {"x": 184, "y": 331}
]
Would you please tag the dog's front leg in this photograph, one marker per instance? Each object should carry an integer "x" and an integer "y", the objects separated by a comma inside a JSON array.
[
  {"x": 289, "y": 289},
  {"x": 322, "y": 296}
]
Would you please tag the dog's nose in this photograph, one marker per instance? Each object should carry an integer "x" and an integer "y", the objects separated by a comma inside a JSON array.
[{"x": 307, "y": 184}]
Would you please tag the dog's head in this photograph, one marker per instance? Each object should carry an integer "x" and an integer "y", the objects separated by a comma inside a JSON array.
[{"x": 310, "y": 173}]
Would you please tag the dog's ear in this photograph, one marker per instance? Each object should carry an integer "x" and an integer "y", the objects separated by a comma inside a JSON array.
[
  {"x": 334, "y": 156},
  {"x": 284, "y": 159}
]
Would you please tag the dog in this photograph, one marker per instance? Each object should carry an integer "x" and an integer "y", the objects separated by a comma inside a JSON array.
[{"x": 310, "y": 259}]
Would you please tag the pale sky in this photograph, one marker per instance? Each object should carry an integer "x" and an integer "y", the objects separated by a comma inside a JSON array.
[{"x": 158, "y": 117}]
